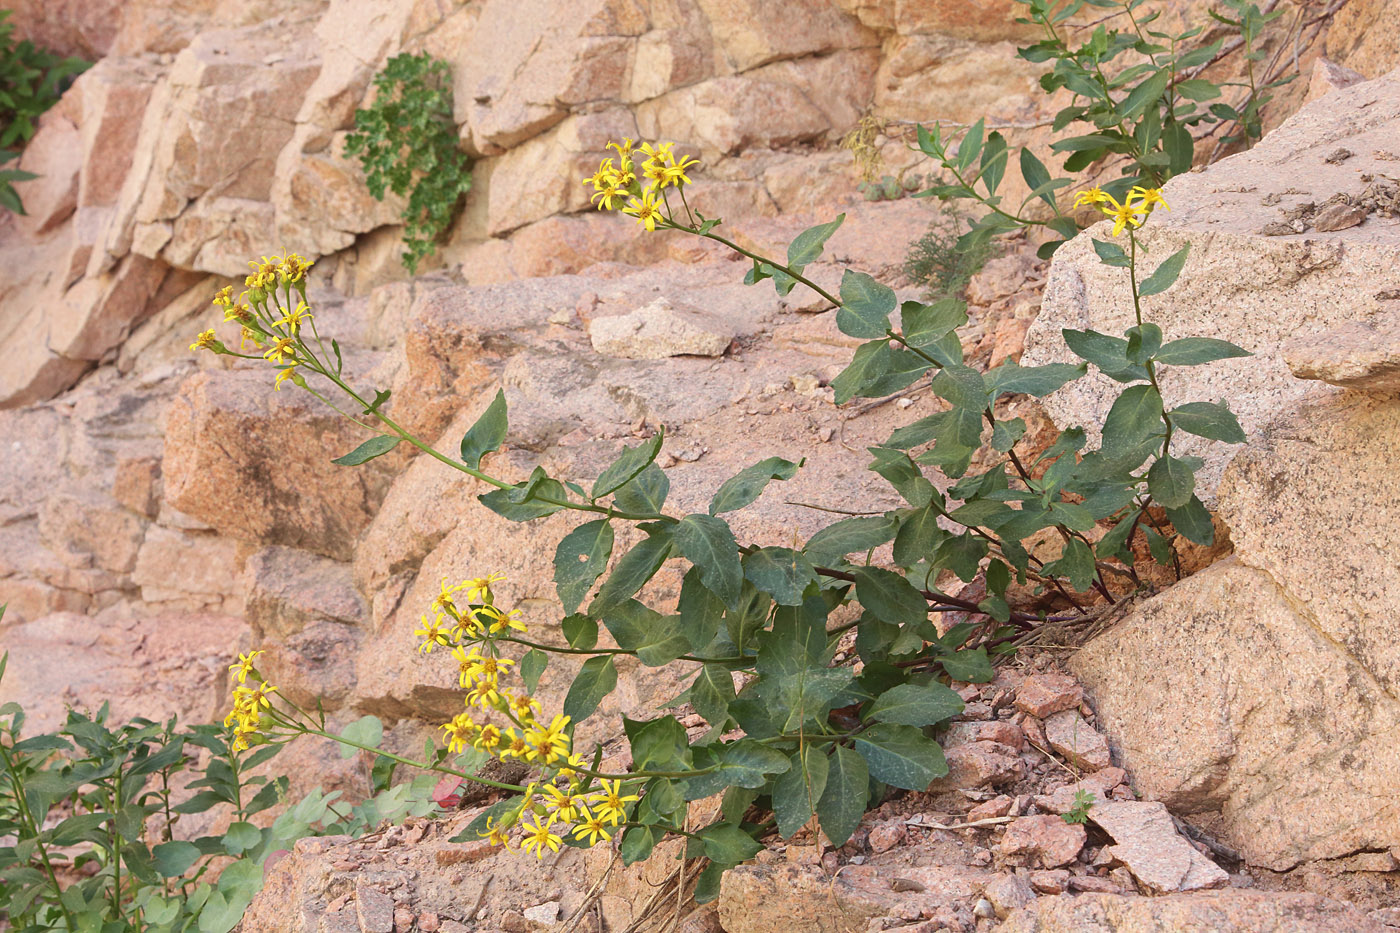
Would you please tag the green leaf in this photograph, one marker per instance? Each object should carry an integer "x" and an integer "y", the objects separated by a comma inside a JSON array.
[
  {"x": 1194, "y": 522},
  {"x": 1111, "y": 254},
  {"x": 901, "y": 756},
  {"x": 240, "y": 837},
  {"x": 727, "y": 844},
  {"x": 993, "y": 165},
  {"x": 889, "y": 596},
  {"x": 708, "y": 543},
  {"x": 968, "y": 666},
  {"x": 903, "y": 474},
  {"x": 1076, "y": 562},
  {"x": 1039, "y": 381},
  {"x": 962, "y": 554},
  {"x": 374, "y": 447},
  {"x": 595, "y": 680},
  {"x": 1143, "y": 342},
  {"x": 711, "y": 693},
  {"x": 1005, "y": 434},
  {"x": 657, "y": 744},
  {"x": 916, "y": 704},
  {"x": 919, "y": 536},
  {"x": 1135, "y": 417},
  {"x": 532, "y": 668},
  {"x": 367, "y": 730},
  {"x": 868, "y": 365},
  {"x": 1037, "y": 176},
  {"x": 173, "y": 859},
  {"x": 1165, "y": 275},
  {"x": 638, "y": 842},
  {"x": 853, "y": 534},
  {"x": 1171, "y": 482},
  {"x": 866, "y": 306},
  {"x": 580, "y": 558},
  {"x": 842, "y": 803},
  {"x": 526, "y": 501},
  {"x": 629, "y": 464},
  {"x": 745, "y": 763},
  {"x": 808, "y": 245},
  {"x": 487, "y": 434},
  {"x": 1110, "y": 354},
  {"x": 699, "y": 611},
  {"x": 924, "y": 326},
  {"x": 580, "y": 631},
  {"x": 633, "y": 571},
  {"x": 780, "y": 572},
  {"x": 646, "y": 493},
  {"x": 748, "y": 484},
  {"x": 1209, "y": 420},
  {"x": 1193, "y": 351},
  {"x": 797, "y": 793},
  {"x": 962, "y": 387}
]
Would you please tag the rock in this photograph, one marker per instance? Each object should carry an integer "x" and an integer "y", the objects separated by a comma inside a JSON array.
[
  {"x": 1042, "y": 841},
  {"x": 1008, "y": 892},
  {"x": 1256, "y": 291},
  {"x": 188, "y": 570},
  {"x": 1079, "y": 742},
  {"x": 1339, "y": 216},
  {"x": 1160, "y": 859},
  {"x": 1361, "y": 355},
  {"x": 1099, "y": 784},
  {"x": 979, "y": 764},
  {"x": 1043, "y": 694},
  {"x": 88, "y": 528},
  {"x": 1328, "y": 76},
  {"x": 1006, "y": 733},
  {"x": 1216, "y": 911},
  {"x": 750, "y": 33},
  {"x": 547, "y": 913},
  {"x": 289, "y": 589},
  {"x": 1000, "y": 805},
  {"x": 886, "y": 834},
  {"x": 374, "y": 909},
  {"x": 783, "y": 898},
  {"x": 255, "y": 464},
  {"x": 659, "y": 330},
  {"x": 1051, "y": 881},
  {"x": 51, "y": 198}
]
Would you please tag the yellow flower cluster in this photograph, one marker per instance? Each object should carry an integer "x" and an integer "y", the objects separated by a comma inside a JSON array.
[
  {"x": 1133, "y": 210},
  {"x": 248, "y": 701},
  {"x": 466, "y": 619},
  {"x": 644, "y": 194},
  {"x": 269, "y": 315}
]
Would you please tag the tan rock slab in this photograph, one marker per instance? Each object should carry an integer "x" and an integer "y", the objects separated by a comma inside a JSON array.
[
  {"x": 1361, "y": 355},
  {"x": 1081, "y": 744},
  {"x": 1213, "y": 911},
  {"x": 659, "y": 330},
  {"x": 1043, "y": 694},
  {"x": 1159, "y": 857},
  {"x": 1043, "y": 841}
]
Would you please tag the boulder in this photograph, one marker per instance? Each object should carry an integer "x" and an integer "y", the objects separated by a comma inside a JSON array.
[
  {"x": 1240, "y": 284},
  {"x": 256, "y": 464}
]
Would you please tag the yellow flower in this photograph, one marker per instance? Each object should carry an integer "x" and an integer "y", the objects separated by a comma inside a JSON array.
[
  {"x": 603, "y": 177},
  {"x": 244, "y": 665},
  {"x": 645, "y": 209},
  {"x": 548, "y": 744},
  {"x": 479, "y": 588},
  {"x": 1148, "y": 197},
  {"x": 571, "y": 767},
  {"x": 496, "y": 835},
  {"x": 655, "y": 171},
  {"x": 499, "y": 621},
  {"x": 488, "y": 738},
  {"x": 444, "y": 600},
  {"x": 524, "y": 707},
  {"x": 484, "y": 694},
  {"x": 515, "y": 745},
  {"x": 239, "y": 313},
  {"x": 207, "y": 341},
  {"x": 433, "y": 634},
  {"x": 251, "y": 699},
  {"x": 592, "y": 828},
  {"x": 292, "y": 319},
  {"x": 282, "y": 350},
  {"x": 289, "y": 372},
  {"x": 460, "y": 732},
  {"x": 624, "y": 148},
  {"x": 561, "y": 806},
  {"x": 1124, "y": 215},
  {"x": 605, "y": 196},
  {"x": 675, "y": 174},
  {"x": 661, "y": 153},
  {"x": 251, "y": 336},
  {"x": 224, "y": 297},
  {"x": 612, "y": 804},
  {"x": 294, "y": 268},
  {"x": 538, "y": 837},
  {"x": 1093, "y": 196}
]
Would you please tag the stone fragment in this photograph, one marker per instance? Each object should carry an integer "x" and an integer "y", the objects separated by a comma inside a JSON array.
[
  {"x": 374, "y": 908},
  {"x": 1079, "y": 742},
  {"x": 1217, "y": 911},
  {"x": 1050, "y": 881},
  {"x": 1006, "y": 733},
  {"x": 1099, "y": 784},
  {"x": 1008, "y": 892},
  {"x": 1160, "y": 859},
  {"x": 1043, "y": 694},
  {"x": 659, "y": 330},
  {"x": 288, "y": 589},
  {"x": 1339, "y": 216},
  {"x": 546, "y": 913},
  {"x": 979, "y": 764},
  {"x": 886, "y": 834},
  {"x": 1042, "y": 841},
  {"x": 1328, "y": 76},
  {"x": 1360, "y": 355},
  {"x": 1000, "y": 805},
  {"x": 184, "y": 569},
  {"x": 55, "y": 155}
]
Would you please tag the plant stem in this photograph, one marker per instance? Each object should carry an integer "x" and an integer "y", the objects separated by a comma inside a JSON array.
[{"x": 23, "y": 806}]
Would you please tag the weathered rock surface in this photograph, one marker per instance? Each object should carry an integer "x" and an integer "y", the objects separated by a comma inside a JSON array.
[
  {"x": 1147, "y": 842},
  {"x": 1360, "y": 355},
  {"x": 658, "y": 330},
  {"x": 1079, "y": 742},
  {"x": 1216, "y": 912},
  {"x": 1257, "y": 291}
]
